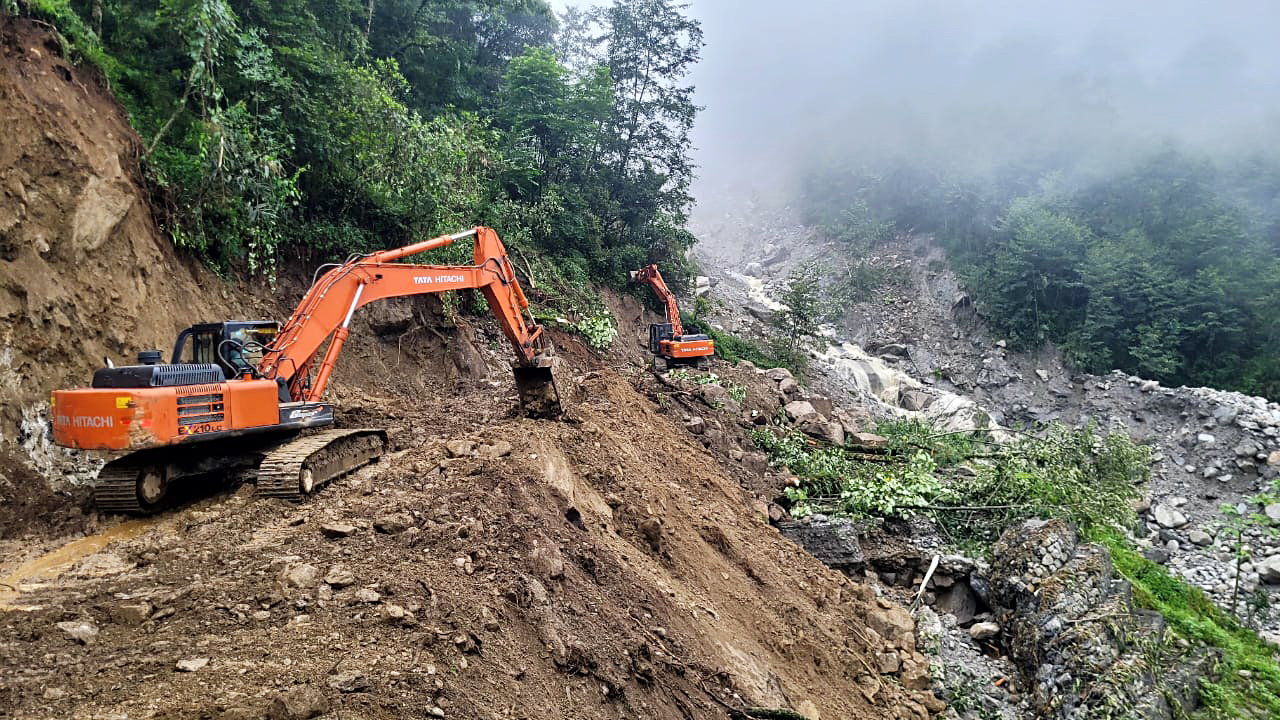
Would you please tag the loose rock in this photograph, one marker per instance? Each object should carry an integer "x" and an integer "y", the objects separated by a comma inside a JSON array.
[
  {"x": 192, "y": 665},
  {"x": 337, "y": 530},
  {"x": 984, "y": 630},
  {"x": 82, "y": 631}
]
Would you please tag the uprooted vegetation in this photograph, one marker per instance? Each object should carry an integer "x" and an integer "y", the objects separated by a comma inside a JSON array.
[{"x": 971, "y": 486}]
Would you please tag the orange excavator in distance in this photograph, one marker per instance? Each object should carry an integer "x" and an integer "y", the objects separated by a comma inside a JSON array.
[
  {"x": 237, "y": 396},
  {"x": 667, "y": 340}
]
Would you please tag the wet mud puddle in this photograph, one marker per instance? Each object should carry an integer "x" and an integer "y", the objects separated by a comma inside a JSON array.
[{"x": 39, "y": 571}]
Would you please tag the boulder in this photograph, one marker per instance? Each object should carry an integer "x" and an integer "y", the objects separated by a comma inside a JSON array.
[
  {"x": 817, "y": 426},
  {"x": 339, "y": 576},
  {"x": 797, "y": 409},
  {"x": 337, "y": 530},
  {"x": 1246, "y": 449},
  {"x": 460, "y": 448},
  {"x": 1168, "y": 516},
  {"x": 1269, "y": 570},
  {"x": 893, "y": 623},
  {"x": 822, "y": 405},
  {"x": 393, "y": 317},
  {"x": 719, "y": 397},
  {"x": 495, "y": 450},
  {"x": 1200, "y": 537},
  {"x": 868, "y": 440},
  {"x": 1274, "y": 458},
  {"x": 984, "y": 630},
  {"x": 192, "y": 664},
  {"x": 778, "y": 374},
  {"x": 915, "y": 400},
  {"x": 833, "y": 541},
  {"x": 888, "y": 662},
  {"x": 788, "y": 386},
  {"x": 695, "y": 425},
  {"x": 299, "y": 576},
  {"x": 301, "y": 702},
  {"x": 547, "y": 562},
  {"x": 393, "y": 523},
  {"x": 131, "y": 614},
  {"x": 348, "y": 681}
]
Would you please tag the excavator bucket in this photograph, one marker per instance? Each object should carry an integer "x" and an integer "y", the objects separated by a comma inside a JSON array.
[
  {"x": 631, "y": 275},
  {"x": 539, "y": 392}
]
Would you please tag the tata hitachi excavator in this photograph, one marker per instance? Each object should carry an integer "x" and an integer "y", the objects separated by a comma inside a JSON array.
[
  {"x": 244, "y": 397},
  {"x": 667, "y": 340}
]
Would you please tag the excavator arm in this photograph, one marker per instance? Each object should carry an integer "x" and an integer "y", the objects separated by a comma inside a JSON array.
[
  {"x": 651, "y": 276},
  {"x": 324, "y": 313}
]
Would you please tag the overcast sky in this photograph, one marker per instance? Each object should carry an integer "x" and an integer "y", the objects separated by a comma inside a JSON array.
[{"x": 975, "y": 79}]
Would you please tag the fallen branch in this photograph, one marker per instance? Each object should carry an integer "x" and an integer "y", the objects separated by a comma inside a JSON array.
[
  {"x": 760, "y": 713},
  {"x": 677, "y": 390},
  {"x": 915, "y": 602}
]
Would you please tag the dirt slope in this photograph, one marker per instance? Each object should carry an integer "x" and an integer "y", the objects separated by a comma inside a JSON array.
[
  {"x": 604, "y": 567},
  {"x": 84, "y": 273}
]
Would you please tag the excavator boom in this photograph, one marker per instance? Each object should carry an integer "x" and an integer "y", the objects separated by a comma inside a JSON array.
[{"x": 325, "y": 311}]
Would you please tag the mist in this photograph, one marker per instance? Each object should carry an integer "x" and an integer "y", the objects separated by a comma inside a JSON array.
[{"x": 973, "y": 85}]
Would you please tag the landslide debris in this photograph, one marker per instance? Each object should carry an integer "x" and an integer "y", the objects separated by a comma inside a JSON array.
[{"x": 606, "y": 567}]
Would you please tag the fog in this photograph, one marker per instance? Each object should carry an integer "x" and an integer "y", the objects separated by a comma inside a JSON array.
[{"x": 973, "y": 83}]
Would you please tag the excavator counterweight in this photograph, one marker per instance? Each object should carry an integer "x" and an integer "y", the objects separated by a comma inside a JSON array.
[{"x": 237, "y": 396}]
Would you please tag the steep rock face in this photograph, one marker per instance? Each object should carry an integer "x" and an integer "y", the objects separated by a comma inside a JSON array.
[{"x": 1071, "y": 627}]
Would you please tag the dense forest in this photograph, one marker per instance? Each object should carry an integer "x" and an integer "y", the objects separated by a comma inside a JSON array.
[
  {"x": 1166, "y": 265},
  {"x": 324, "y": 127}
]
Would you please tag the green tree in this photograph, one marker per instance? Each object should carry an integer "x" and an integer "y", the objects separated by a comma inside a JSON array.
[{"x": 800, "y": 320}]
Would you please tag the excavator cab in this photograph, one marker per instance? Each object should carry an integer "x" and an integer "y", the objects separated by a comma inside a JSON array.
[{"x": 235, "y": 346}]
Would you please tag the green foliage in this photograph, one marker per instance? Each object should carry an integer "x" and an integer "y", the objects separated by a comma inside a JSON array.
[
  {"x": 1167, "y": 267},
  {"x": 1088, "y": 480},
  {"x": 799, "y": 322},
  {"x": 836, "y": 481},
  {"x": 599, "y": 330},
  {"x": 971, "y": 488},
  {"x": 1239, "y": 521},
  {"x": 731, "y": 347},
  {"x": 857, "y": 227},
  {"x": 326, "y": 128},
  {"x": 1193, "y": 616}
]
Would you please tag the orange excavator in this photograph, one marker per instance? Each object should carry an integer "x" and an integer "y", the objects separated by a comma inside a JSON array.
[
  {"x": 667, "y": 340},
  {"x": 243, "y": 397}
]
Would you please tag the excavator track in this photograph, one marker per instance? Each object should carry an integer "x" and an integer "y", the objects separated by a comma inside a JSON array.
[
  {"x": 116, "y": 489},
  {"x": 294, "y": 469}
]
